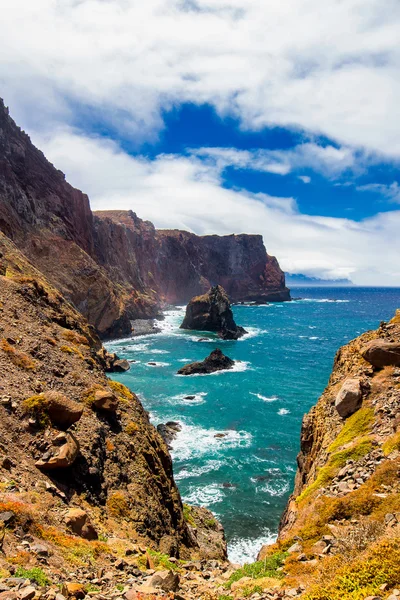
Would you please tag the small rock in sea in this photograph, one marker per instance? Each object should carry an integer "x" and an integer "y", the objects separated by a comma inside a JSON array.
[
  {"x": 189, "y": 397},
  {"x": 220, "y": 435},
  {"x": 152, "y": 364},
  {"x": 216, "y": 361}
]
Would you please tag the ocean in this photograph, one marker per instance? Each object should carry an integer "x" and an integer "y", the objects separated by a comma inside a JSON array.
[{"x": 283, "y": 365}]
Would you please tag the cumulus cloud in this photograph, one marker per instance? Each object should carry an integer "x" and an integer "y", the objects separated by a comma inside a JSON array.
[
  {"x": 186, "y": 192},
  {"x": 327, "y": 160},
  {"x": 390, "y": 192},
  {"x": 329, "y": 68}
]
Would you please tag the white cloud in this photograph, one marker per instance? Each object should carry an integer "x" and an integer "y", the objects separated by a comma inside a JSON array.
[
  {"x": 330, "y": 68},
  {"x": 304, "y": 178},
  {"x": 327, "y": 160},
  {"x": 186, "y": 192},
  {"x": 390, "y": 192}
]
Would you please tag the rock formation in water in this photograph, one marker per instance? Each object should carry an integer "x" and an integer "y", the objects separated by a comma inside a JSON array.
[
  {"x": 216, "y": 361},
  {"x": 212, "y": 312},
  {"x": 113, "y": 266}
]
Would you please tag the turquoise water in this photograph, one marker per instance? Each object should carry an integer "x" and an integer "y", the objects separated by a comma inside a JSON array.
[{"x": 246, "y": 477}]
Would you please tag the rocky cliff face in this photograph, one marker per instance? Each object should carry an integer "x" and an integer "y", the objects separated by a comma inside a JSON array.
[
  {"x": 73, "y": 440},
  {"x": 239, "y": 263},
  {"x": 342, "y": 524},
  {"x": 113, "y": 266},
  {"x": 179, "y": 265}
]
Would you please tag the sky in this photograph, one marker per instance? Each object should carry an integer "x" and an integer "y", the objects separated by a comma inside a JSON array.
[{"x": 279, "y": 117}]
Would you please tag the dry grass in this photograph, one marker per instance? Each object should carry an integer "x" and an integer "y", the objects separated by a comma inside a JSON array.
[
  {"x": 72, "y": 350},
  {"x": 18, "y": 358},
  {"x": 75, "y": 338}
]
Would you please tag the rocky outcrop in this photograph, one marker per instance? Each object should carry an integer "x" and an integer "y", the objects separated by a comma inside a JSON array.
[
  {"x": 341, "y": 519},
  {"x": 380, "y": 353},
  {"x": 349, "y": 398},
  {"x": 113, "y": 266},
  {"x": 212, "y": 312},
  {"x": 111, "y": 457},
  {"x": 169, "y": 431},
  {"x": 216, "y": 361}
]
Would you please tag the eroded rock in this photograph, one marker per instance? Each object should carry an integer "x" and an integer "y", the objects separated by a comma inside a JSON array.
[
  {"x": 349, "y": 398},
  {"x": 77, "y": 520},
  {"x": 63, "y": 453},
  {"x": 212, "y": 312},
  {"x": 62, "y": 411},
  {"x": 105, "y": 400},
  {"x": 168, "y": 581},
  {"x": 216, "y": 361},
  {"x": 381, "y": 353}
]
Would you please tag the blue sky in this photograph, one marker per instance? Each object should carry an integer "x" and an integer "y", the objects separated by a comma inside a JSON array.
[{"x": 223, "y": 116}]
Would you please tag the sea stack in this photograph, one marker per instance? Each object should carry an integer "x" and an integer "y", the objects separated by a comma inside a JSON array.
[
  {"x": 212, "y": 312},
  {"x": 216, "y": 361}
]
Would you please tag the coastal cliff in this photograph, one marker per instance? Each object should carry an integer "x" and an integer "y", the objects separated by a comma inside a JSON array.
[
  {"x": 113, "y": 266},
  {"x": 84, "y": 476},
  {"x": 341, "y": 528},
  {"x": 178, "y": 265}
]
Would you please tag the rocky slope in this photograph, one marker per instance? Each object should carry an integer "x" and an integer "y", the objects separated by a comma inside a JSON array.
[
  {"x": 84, "y": 477},
  {"x": 88, "y": 505},
  {"x": 113, "y": 266},
  {"x": 212, "y": 312},
  {"x": 342, "y": 524}
]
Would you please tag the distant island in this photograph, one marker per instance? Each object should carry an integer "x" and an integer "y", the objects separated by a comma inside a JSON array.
[{"x": 300, "y": 280}]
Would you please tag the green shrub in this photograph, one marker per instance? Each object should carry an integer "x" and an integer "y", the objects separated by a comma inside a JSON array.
[
  {"x": 262, "y": 568},
  {"x": 35, "y": 574},
  {"x": 356, "y": 426}
]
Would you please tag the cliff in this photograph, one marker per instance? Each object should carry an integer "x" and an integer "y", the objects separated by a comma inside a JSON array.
[
  {"x": 113, "y": 266},
  {"x": 342, "y": 524},
  {"x": 179, "y": 265},
  {"x": 239, "y": 263},
  {"x": 84, "y": 477}
]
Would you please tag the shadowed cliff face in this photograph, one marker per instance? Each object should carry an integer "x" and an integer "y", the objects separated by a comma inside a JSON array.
[
  {"x": 113, "y": 266},
  {"x": 180, "y": 265}
]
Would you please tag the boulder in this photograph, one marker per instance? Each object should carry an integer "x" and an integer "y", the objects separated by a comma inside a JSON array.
[
  {"x": 169, "y": 431},
  {"x": 121, "y": 365},
  {"x": 62, "y": 411},
  {"x": 73, "y": 590},
  {"x": 111, "y": 362},
  {"x": 349, "y": 398},
  {"x": 168, "y": 581},
  {"x": 296, "y": 547},
  {"x": 216, "y": 361},
  {"x": 212, "y": 312},
  {"x": 27, "y": 593},
  {"x": 381, "y": 353},
  {"x": 8, "y": 595},
  {"x": 77, "y": 520},
  {"x": 105, "y": 400},
  {"x": 7, "y": 517},
  {"x": 62, "y": 455}
]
